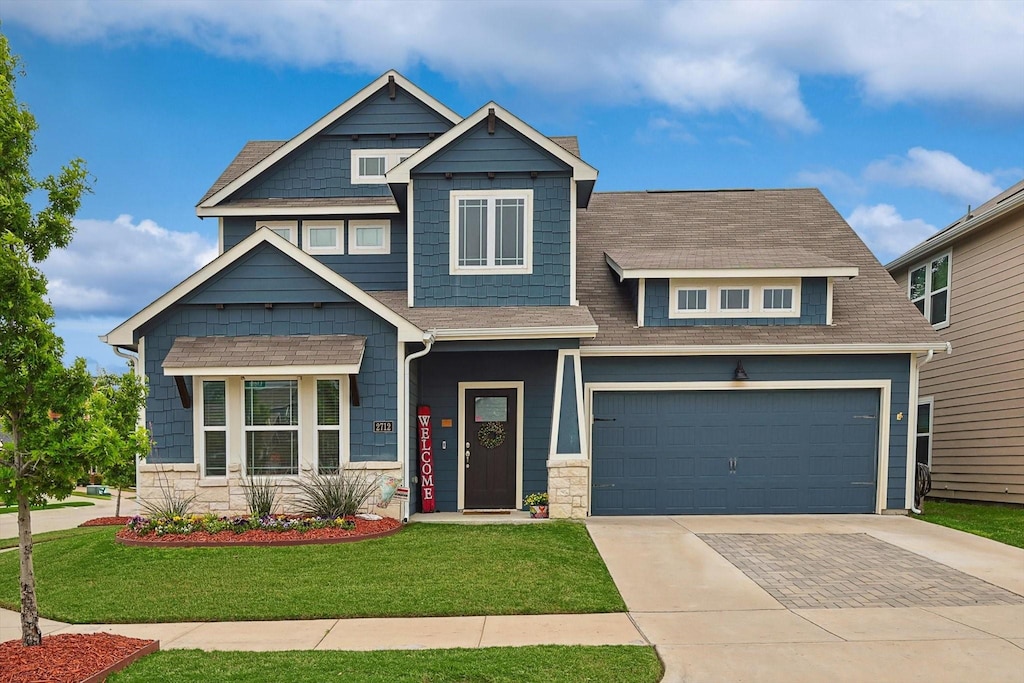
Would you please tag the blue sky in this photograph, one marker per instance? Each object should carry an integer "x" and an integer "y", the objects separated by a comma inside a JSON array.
[{"x": 902, "y": 113}]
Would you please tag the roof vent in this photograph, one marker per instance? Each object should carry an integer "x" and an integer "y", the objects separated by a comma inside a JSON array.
[
  {"x": 491, "y": 119},
  {"x": 392, "y": 88}
]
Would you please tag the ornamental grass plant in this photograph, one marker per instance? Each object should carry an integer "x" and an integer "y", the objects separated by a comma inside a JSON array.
[
  {"x": 334, "y": 495},
  {"x": 261, "y": 495}
]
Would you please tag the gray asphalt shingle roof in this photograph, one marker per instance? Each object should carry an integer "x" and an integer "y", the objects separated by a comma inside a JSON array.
[
  {"x": 251, "y": 154},
  {"x": 269, "y": 351},
  {"x": 713, "y": 256}
]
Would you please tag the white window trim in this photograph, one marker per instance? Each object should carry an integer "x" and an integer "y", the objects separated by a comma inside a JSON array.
[
  {"x": 315, "y": 428},
  {"x": 339, "y": 245},
  {"x": 291, "y": 226},
  {"x": 302, "y": 444},
  {"x": 453, "y": 231},
  {"x": 199, "y": 427},
  {"x": 354, "y": 248},
  {"x": 690, "y": 311},
  {"x": 926, "y": 264},
  {"x": 930, "y": 402},
  {"x": 392, "y": 157},
  {"x": 722, "y": 310},
  {"x": 714, "y": 289}
]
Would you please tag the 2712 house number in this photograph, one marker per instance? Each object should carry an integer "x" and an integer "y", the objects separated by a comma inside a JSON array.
[{"x": 384, "y": 426}]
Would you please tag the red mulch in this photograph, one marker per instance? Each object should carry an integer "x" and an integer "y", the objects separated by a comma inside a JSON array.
[
  {"x": 68, "y": 658},
  {"x": 106, "y": 521},
  {"x": 364, "y": 529}
]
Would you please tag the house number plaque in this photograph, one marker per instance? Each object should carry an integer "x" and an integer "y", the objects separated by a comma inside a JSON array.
[{"x": 384, "y": 426}]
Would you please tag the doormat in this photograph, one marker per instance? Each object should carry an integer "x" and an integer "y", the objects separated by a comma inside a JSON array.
[{"x": 487, "y": 512}]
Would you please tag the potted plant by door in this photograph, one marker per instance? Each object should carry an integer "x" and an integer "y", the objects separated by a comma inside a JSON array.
[{"x": 538, "y": 504}]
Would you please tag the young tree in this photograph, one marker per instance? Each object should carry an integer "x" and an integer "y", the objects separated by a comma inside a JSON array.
[
  {"x": 113, "y": 438},
  {"x": 41, "y": 402}
]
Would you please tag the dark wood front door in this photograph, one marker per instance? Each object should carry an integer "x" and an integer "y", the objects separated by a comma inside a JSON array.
[{"x": 489, "y": 453}]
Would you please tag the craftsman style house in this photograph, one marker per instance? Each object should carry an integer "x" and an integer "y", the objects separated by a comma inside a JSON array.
[
  {"x": 628, "y": 352},
  {"x": 968, "y": 281}
]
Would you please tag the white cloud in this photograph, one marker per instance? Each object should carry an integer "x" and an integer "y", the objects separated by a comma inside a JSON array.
[
  {"x": 937, "y": 171},
  {"x": 831, "y": 178},
  {"x": 886, "y": 232},
  {"x": 115, "y": 268},
  {"x": 726, "y": 56}
]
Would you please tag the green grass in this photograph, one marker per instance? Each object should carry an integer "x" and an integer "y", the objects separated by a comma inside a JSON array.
[
  {"x": 425, "y": 570},
  {"x": 11, "y": 509},
  {"x": 538, "y": 664},
  {"x": 52, "y": 535},
  {"x": 90, "y": 495},
  {"x": 1000, "y": 523}
]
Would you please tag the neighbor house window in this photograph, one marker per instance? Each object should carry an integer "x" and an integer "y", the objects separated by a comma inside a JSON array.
[
  {"x": 369, "y": 237},
  {"x": 323, "y": 237},
  {"x": 734, "y": 299},
  {"x": 692, "y": 299},
  {"x": 777, "y": 298},
  {"x": 328, "y": 425},
  {"x": 929, "y": 290},
  {"x": 286, "y": 229},
  {"x": 369, "y": 166},
  {"x": 271, "y": 427},
  {"x": 215, "y": 429},
  {"x": 492, "y": 231},
  {"x": 925, "y": 407}
]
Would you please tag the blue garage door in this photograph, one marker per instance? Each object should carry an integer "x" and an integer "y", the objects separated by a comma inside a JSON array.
[{"x": 734, "y": 452}]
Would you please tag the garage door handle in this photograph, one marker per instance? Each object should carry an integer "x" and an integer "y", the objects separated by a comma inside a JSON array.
[
  {"x": 862, "y": 483},
  {"x": 604, "y": 419},
  {"x": 603, "y": 486}
]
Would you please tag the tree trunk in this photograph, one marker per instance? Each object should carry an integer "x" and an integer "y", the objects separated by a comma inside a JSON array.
[
  {"x": 30, "y": 634},
  {"x": 117, "y": 508}
]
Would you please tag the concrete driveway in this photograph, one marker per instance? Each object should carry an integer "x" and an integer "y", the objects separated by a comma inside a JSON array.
[{"x": 819, "y": 598}]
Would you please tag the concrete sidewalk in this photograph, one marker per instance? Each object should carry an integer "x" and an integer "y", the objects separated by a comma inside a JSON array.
[
  {"x": 364, "y": 634},
  {"x": 69, "y": 518}
]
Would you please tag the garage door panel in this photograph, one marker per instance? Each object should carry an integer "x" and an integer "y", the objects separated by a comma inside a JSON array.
[{"x": 717, "y": 452}]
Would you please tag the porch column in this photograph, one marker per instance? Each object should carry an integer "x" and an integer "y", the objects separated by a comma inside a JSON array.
[{"x": 568, "y": 464}]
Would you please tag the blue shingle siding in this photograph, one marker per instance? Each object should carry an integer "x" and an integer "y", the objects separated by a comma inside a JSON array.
[
  {"x": 377, "y": 379},
  {"x": 477, "y": 151},
  {"x": 379, "y": 114},
  {"x": 548, "y": 285},
  {"x": 440, "y": 374},
  {"x": 893, "y": 367},
  {"x": 371, "y": 272},
  {"x": 813, "y": 307},
  {"x": 323, "y": 168},
  {"x": 266, "y": 275},
  {"x": 568, "y": 416}
]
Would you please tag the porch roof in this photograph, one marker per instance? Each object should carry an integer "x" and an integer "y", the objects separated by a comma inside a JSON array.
[{"x": 338, "y": 354}]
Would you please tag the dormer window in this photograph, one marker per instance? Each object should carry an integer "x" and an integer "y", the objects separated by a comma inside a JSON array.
[
  {"x": 777, "y": 298},
  {"x": 692, "y": 300},
  {"x": 369, "y": 166},
  {"x": 491, "y": 232},
  {"x": 734, "y": 298}
]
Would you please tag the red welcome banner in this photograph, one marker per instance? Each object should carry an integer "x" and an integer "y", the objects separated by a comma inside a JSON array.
[{"x": 424, "y": 433}]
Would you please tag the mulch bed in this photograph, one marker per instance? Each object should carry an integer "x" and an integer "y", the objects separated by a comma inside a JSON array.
[
  {"x": 365, "y": 530},
  {"x": 71, "y": 658},
  {"x": 106, "y": 521}
]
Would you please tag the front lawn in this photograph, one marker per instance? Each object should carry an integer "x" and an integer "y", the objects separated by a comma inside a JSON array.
[
  {"x": 998, "y": 522},
  {"x": 424, "y": 570},
  {"x": 539, "y": 664},
  {"x": 51, "y": 536},
  {"x": 11, "y": 509}
]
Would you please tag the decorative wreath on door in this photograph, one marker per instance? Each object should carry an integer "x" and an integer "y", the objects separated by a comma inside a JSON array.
[{"x": 491, "y": 434}]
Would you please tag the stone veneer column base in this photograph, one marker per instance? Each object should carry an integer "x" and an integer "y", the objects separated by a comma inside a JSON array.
[
  {"x": 568, "y": 488},
  {"x": 225, "y": 496}
]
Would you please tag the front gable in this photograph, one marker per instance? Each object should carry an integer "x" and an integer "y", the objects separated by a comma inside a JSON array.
[
  {"x": 503, "y": 151},
  {"x": 381, "y": 114}
]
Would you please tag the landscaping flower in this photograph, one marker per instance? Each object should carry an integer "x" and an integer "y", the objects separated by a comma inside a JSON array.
[
  {"x": 535, "y": 499},
  {"x": 212, "y": 524}
]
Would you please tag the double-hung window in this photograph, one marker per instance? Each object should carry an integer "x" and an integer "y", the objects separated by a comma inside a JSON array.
[
  {"x": 929, "y": 290},
  {"x": 369, "y": 166},
  {"x": 491, "y": 231},
  {"x": 271, "y": 427},
  {"x": 328, "y": 425},
  {"x": 215, "y": 429}
]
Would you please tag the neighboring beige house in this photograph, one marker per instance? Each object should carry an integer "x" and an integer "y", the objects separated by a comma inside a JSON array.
[{"x": 968, "y": 280}]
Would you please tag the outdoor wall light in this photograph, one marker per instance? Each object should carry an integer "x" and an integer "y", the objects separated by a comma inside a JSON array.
[{"x": 739, "y": 374}]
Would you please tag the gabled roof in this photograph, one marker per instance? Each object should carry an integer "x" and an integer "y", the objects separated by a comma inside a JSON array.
[
  {"x": 220, "y": 194},
  {"x": 1007, "y": 200},
  {"x": 721, "y": 261},
  {"x": 582, "y": 171},
  {"x": 124, "y": 334},
  {"x": 870, "y": 312},
  {"x": 251, "y": 154}
]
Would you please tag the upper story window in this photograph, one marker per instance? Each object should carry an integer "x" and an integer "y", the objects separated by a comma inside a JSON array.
[
  {"x": 369, "y": 237},
  {"x": 323, "y": 237},
  {"x": 928, "y": 287},
  {"x": 769, "y": 298},
  {"x": 491, "y": 232},
  {"x": 286, "y": 229},
  {"x": 370, "y": 165}
]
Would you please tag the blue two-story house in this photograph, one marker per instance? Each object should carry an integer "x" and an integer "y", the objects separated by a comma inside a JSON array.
[{"x": 732, "y": 351}]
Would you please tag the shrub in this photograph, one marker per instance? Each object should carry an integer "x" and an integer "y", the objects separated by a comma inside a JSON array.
[
  {"x": 336, "y": 495},
  {"x": 260, "y": 495}
]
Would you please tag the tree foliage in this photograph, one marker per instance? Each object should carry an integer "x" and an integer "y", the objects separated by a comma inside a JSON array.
[{"x": 42, "y": 403}]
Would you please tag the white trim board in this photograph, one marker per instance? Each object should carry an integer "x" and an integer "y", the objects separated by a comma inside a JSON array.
[
  {"x": 257, "y": 211},
  {"x": 325, "y": 122},
  {"x": 123, "y": 334},
  {"x": 884, "y": 387},
  {"x": 760, "y": 349},
  {"x": 729, "y": 273},
  {"x": 461, "y": 467}
]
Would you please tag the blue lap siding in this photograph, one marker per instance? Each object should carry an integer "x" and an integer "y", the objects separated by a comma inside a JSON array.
[{"x": 780, "y": 368}]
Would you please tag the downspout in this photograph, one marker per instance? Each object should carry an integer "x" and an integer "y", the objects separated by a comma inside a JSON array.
[
  {"x": 428, "y": 342},
  {"x": 132, "y": 360},
  {"x": 931, "y": 354}
]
